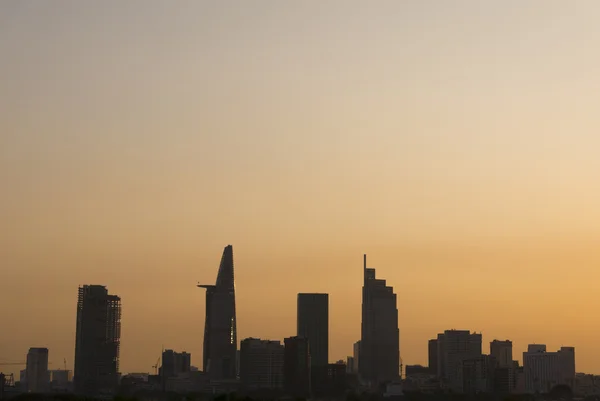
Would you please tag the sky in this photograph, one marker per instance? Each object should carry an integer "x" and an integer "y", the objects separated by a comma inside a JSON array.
[{"x": 456, "y": 143}]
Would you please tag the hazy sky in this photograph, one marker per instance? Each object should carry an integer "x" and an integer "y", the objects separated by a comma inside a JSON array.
[{"x": 455, "y": 142}]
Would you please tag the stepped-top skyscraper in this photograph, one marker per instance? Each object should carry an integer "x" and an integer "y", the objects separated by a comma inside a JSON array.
[
  {"x": 220, "y": 328},
  {"x": 380, "y": 337}
]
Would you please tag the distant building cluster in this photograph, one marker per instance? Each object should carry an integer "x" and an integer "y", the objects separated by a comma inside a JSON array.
[
  {"x": 457, "y": 364},
  {"x": 297, "y": 366}
]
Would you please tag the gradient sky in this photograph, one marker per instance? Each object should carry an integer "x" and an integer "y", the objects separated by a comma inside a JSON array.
[{"x": 455, "y": 142}]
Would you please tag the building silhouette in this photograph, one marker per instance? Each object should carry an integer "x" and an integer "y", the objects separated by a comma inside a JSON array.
[
  {"x": 60, "y": 380},
  {"x": 175, "y": 363},
  {"x": 478, "y": 374},
  {"x": 350, "y": 364},
  {"x": 433, "y": 356},
  {"x": 356, "y": 356},
  {"x": 38, "y": 376},
  {"x": 503, "y": 352},
  {"x": 97, "y": 342},
  {"x": 220, "y": 327},
  {"x": 416, "y": 370},
  {"x": 454, "y": 347},
  {"x": 261, "y": 364},
  {"x": 296, "y": 367},
  {"x": 545, "y": 370},
  {"x": 313, "y": 324},
  {"x": 334, "y": 381},
  {"x": 379, "y": 359}
]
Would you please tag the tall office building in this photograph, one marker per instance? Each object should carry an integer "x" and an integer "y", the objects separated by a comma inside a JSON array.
[
  {"x": 502, "y": 351},
  {"x": 313, "y": 324},
  {"x": 97, "y": 342},
  {"x": 175, "y": 363},
  {"x": 380, "y": 337},
  {"x": 38, "y": 376},
  {"x": 261, "y": 364},
  {"x": 296, "y": 367},
  {"x": 454, "y": 347},
  {"x": 220, "y": 326},
  {"x": 433, "y": 356}
]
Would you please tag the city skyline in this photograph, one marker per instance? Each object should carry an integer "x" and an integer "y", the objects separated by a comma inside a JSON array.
[
  {"x": 226, "y": 283},
  {"x": 454, "y": 142}
]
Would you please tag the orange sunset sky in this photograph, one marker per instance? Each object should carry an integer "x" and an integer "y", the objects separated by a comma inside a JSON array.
[{"x": 457, "y": 143}]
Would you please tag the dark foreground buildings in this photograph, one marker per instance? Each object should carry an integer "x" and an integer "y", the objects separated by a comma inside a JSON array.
[
  {"x": 313, "y": 324},
  {"x": 220, "y": 328},
  {"x": 379, "y": 360},
  {"x": 261, "y": 365},
  {"x": 296, "y": 367},
  {"x": 97, "y": 341},
  {"x": 37, "y": 370},
  {"x": 175, "y": 363}
]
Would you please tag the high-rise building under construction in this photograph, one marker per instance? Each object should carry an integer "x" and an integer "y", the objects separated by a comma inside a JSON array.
[
  {"x": 220, "y": 327},
  {"x": 97, "y": 342}
]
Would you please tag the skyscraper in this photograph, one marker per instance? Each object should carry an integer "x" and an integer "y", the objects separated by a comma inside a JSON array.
[
  {"x": 296, "y": 367},
  {"x": 97, "y": 342},
  {"x": 313, "y": 324},
  {"x": 380, "y": 337},
  {"x": 220, "y": 328},
  {"x": 38, "y": 377}
]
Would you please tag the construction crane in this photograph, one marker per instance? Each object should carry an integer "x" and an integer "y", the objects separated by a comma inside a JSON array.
[
  {"x": 155, "y": 366},
  {"x": 401, "y": 366}
]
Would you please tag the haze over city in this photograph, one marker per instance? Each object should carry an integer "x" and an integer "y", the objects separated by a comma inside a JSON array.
[{"x": 454, "y": 142}]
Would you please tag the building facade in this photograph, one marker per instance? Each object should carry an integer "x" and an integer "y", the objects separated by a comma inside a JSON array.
[
  {"x": 60, "y": 380},
  {"x": 432, "y": 353},
  {"x": 414, "y": 370},
  {"x": 479, "y": 374},
  {"x": 545, "y": 370},
  {"x": 175, "y": 363},
  {"x": 587, "y": 385},
  {"x": 261, "y": 364},
  {"x": 37, "y": 374},
  {"x": 455, "y": 346},
  {"x": 97, "y": 342},
  {"x": 313, "y": 324},
  {"x": 503, "y": 352},
  {"x": 379, "y": 360},
  {"x": 296, "y": 367},
  {"x": 220, "y": 326},
  {"x": 356, "y": 356}
]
